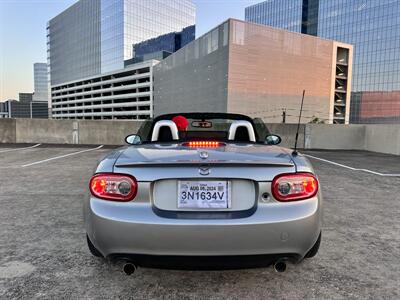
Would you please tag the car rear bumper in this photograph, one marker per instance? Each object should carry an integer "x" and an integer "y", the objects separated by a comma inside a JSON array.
[
  {"x": 135, "y": 229},
  {"x": 216, "y": 262}
]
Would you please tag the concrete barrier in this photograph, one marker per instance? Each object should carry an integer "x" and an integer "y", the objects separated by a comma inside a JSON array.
[
  {"x": 66, "y": 131},
  {"x": 378, "y": 138},
  {"x": 330, "y": 136},
  {"x": 106, "y": 132},
  {"x": 383, "y": 138},
  {"x": 288, "y": 134},
  {"x": 7, "y": 131},
  {"x": 44, "y": 131}
]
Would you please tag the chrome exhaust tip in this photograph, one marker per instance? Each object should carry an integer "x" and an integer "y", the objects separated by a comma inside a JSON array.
[
  {"x": 129, "y": 268},
  {"x": 280, "y": 266}
]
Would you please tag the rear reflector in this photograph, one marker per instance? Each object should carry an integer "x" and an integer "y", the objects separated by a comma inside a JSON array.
[
  {"x": 115, "y": 187},
  {"x": 294, "y": 187},
  {"x": 203, "y": 144}
]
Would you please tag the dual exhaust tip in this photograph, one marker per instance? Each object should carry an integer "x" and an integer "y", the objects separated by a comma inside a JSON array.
[
  {"x": 130, "y": 268},
  {"x": 280, "y": 266}
]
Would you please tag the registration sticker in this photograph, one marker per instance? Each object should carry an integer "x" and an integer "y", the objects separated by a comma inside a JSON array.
[{"x": 204, "y": 194}]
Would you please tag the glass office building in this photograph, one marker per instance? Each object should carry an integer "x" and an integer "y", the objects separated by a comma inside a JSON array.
[
  {"x": 73, "y": 42},
  {"x": 294, "y": 15},
  {"x": 128, "y": 22},
  {"x": 282, "y": 14},
  {"x": 40, "y": 82},
  {"x": 24, "y": 108},
  {"x": 372, "y": 26},
  {"x": 96, "y": 36},
  {"x": 88, "y": 47},
  {"x": 163, "y": 44}
]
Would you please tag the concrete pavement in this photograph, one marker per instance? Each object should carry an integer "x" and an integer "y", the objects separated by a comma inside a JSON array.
[{"x": 43, "y": 252}]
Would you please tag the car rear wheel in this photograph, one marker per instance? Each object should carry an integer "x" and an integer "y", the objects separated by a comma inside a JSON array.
[
  {"x": 92, "y": 248},
  {"x": 314, "y": 250}
]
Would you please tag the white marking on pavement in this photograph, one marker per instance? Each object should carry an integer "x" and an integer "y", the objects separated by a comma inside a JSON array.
[
  {"x": 351, "y": 168},
  {"x": 17, "y": 149},
  {"x": 15, "y": 269},
  {"x": 61, "y": 156}
]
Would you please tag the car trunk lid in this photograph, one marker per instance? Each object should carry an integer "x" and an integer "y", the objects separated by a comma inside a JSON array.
[{"x": 151, "y": 162}]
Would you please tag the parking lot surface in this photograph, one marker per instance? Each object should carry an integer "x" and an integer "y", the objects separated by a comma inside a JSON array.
[{"x": 43, "y": 252}]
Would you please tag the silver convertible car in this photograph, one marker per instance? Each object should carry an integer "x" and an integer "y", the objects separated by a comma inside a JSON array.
[{"x": 204, "y": 191}]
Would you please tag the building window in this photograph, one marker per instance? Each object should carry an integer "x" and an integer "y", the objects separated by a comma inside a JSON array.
[
  {"x": 214, "y": 40},
  {"x": 238, "y": 33},
  {"x": 225, "y": 33}
]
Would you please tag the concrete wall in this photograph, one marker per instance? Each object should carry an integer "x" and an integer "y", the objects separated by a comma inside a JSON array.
[
  {"x": 269, "y": 68},
  {"x": 288, "y": 134},
  {"x": 324, "y": 136},
  {"x": 259, "y": 71},
  {"x": 378, "y": 138},
  {"x": 7, "y": 131},
  {"x": 66, "y": 131},
  {"x": 193, "y": 79},
  {"x": 44, "y": 131},
  {"x": 383, "y": 138},
  {"x": 106, "y": 132}
]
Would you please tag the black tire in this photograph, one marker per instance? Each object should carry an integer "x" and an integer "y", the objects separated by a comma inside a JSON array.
[
  {"x": 92, "y": 248},
  {"x": 314, "y": 250}
]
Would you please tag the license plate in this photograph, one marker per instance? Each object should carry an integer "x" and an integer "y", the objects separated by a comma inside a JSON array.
[{"x": 204, "y": 194}]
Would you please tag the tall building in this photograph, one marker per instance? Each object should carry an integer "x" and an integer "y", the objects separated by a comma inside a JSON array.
[
  {"x": 40, "y": 80},
  {"x": 25, "y": 97},
  {"x": 93, "y": 38},
  {"x": 19, "y": 109},
  {"x": 373, "y": 27},
  {"x": 3, "y": 110},
  {"x": 23, "y": 109},
  {"x": 96, "y": 36},
  {"x": 294, "y": 15},
  {"x": 163, "y": 45},
  {"x": 128, "y": 22},
  {"x": 73, "y": 42},
  {"x": 242, "y": 67}
]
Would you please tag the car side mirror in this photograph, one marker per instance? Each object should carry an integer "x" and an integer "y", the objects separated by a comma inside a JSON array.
[
  {"x": 133, "y": 139},
  {"x": 273, "y": 139}
]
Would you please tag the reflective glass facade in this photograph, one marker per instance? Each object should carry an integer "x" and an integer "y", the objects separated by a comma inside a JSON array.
[
  {"x": 20, "y": 109},
  {"x": 294, "y": 15},
  {"x": 73, "y": 42},
  {"x": 128, "y": 22},
  {"x": 90, "y": 48},
  {"x": 169, "y": 42},
  {"x": 96, "y": 36},
  {"x": 284, "y": 14},
  {"x": 40, "y": 82},
  {"x": 372, "y": 26},
  {"x": 112, "y": 35}
]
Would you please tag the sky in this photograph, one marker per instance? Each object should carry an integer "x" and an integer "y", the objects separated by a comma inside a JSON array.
[{"x": 23, "y": 35}]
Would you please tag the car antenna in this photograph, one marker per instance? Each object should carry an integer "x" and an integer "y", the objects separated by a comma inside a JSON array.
[{"x": 298, "y": 125}]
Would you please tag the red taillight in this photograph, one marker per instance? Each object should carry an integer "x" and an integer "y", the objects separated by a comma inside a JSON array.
[
  {"x": 115, "y": 187},
  {"x": 293, "y": 187},
  {"x": 203, "y": 144}
]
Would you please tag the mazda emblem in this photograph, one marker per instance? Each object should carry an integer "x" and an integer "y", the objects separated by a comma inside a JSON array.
[
  {"x": 203, "y": 154},
  {"x": 204, "y": 170}
]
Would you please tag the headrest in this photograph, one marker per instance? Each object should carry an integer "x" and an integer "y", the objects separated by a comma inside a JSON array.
[
  {"x": 164, "y": 123},
  {"x": 238, "y": 124}
]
